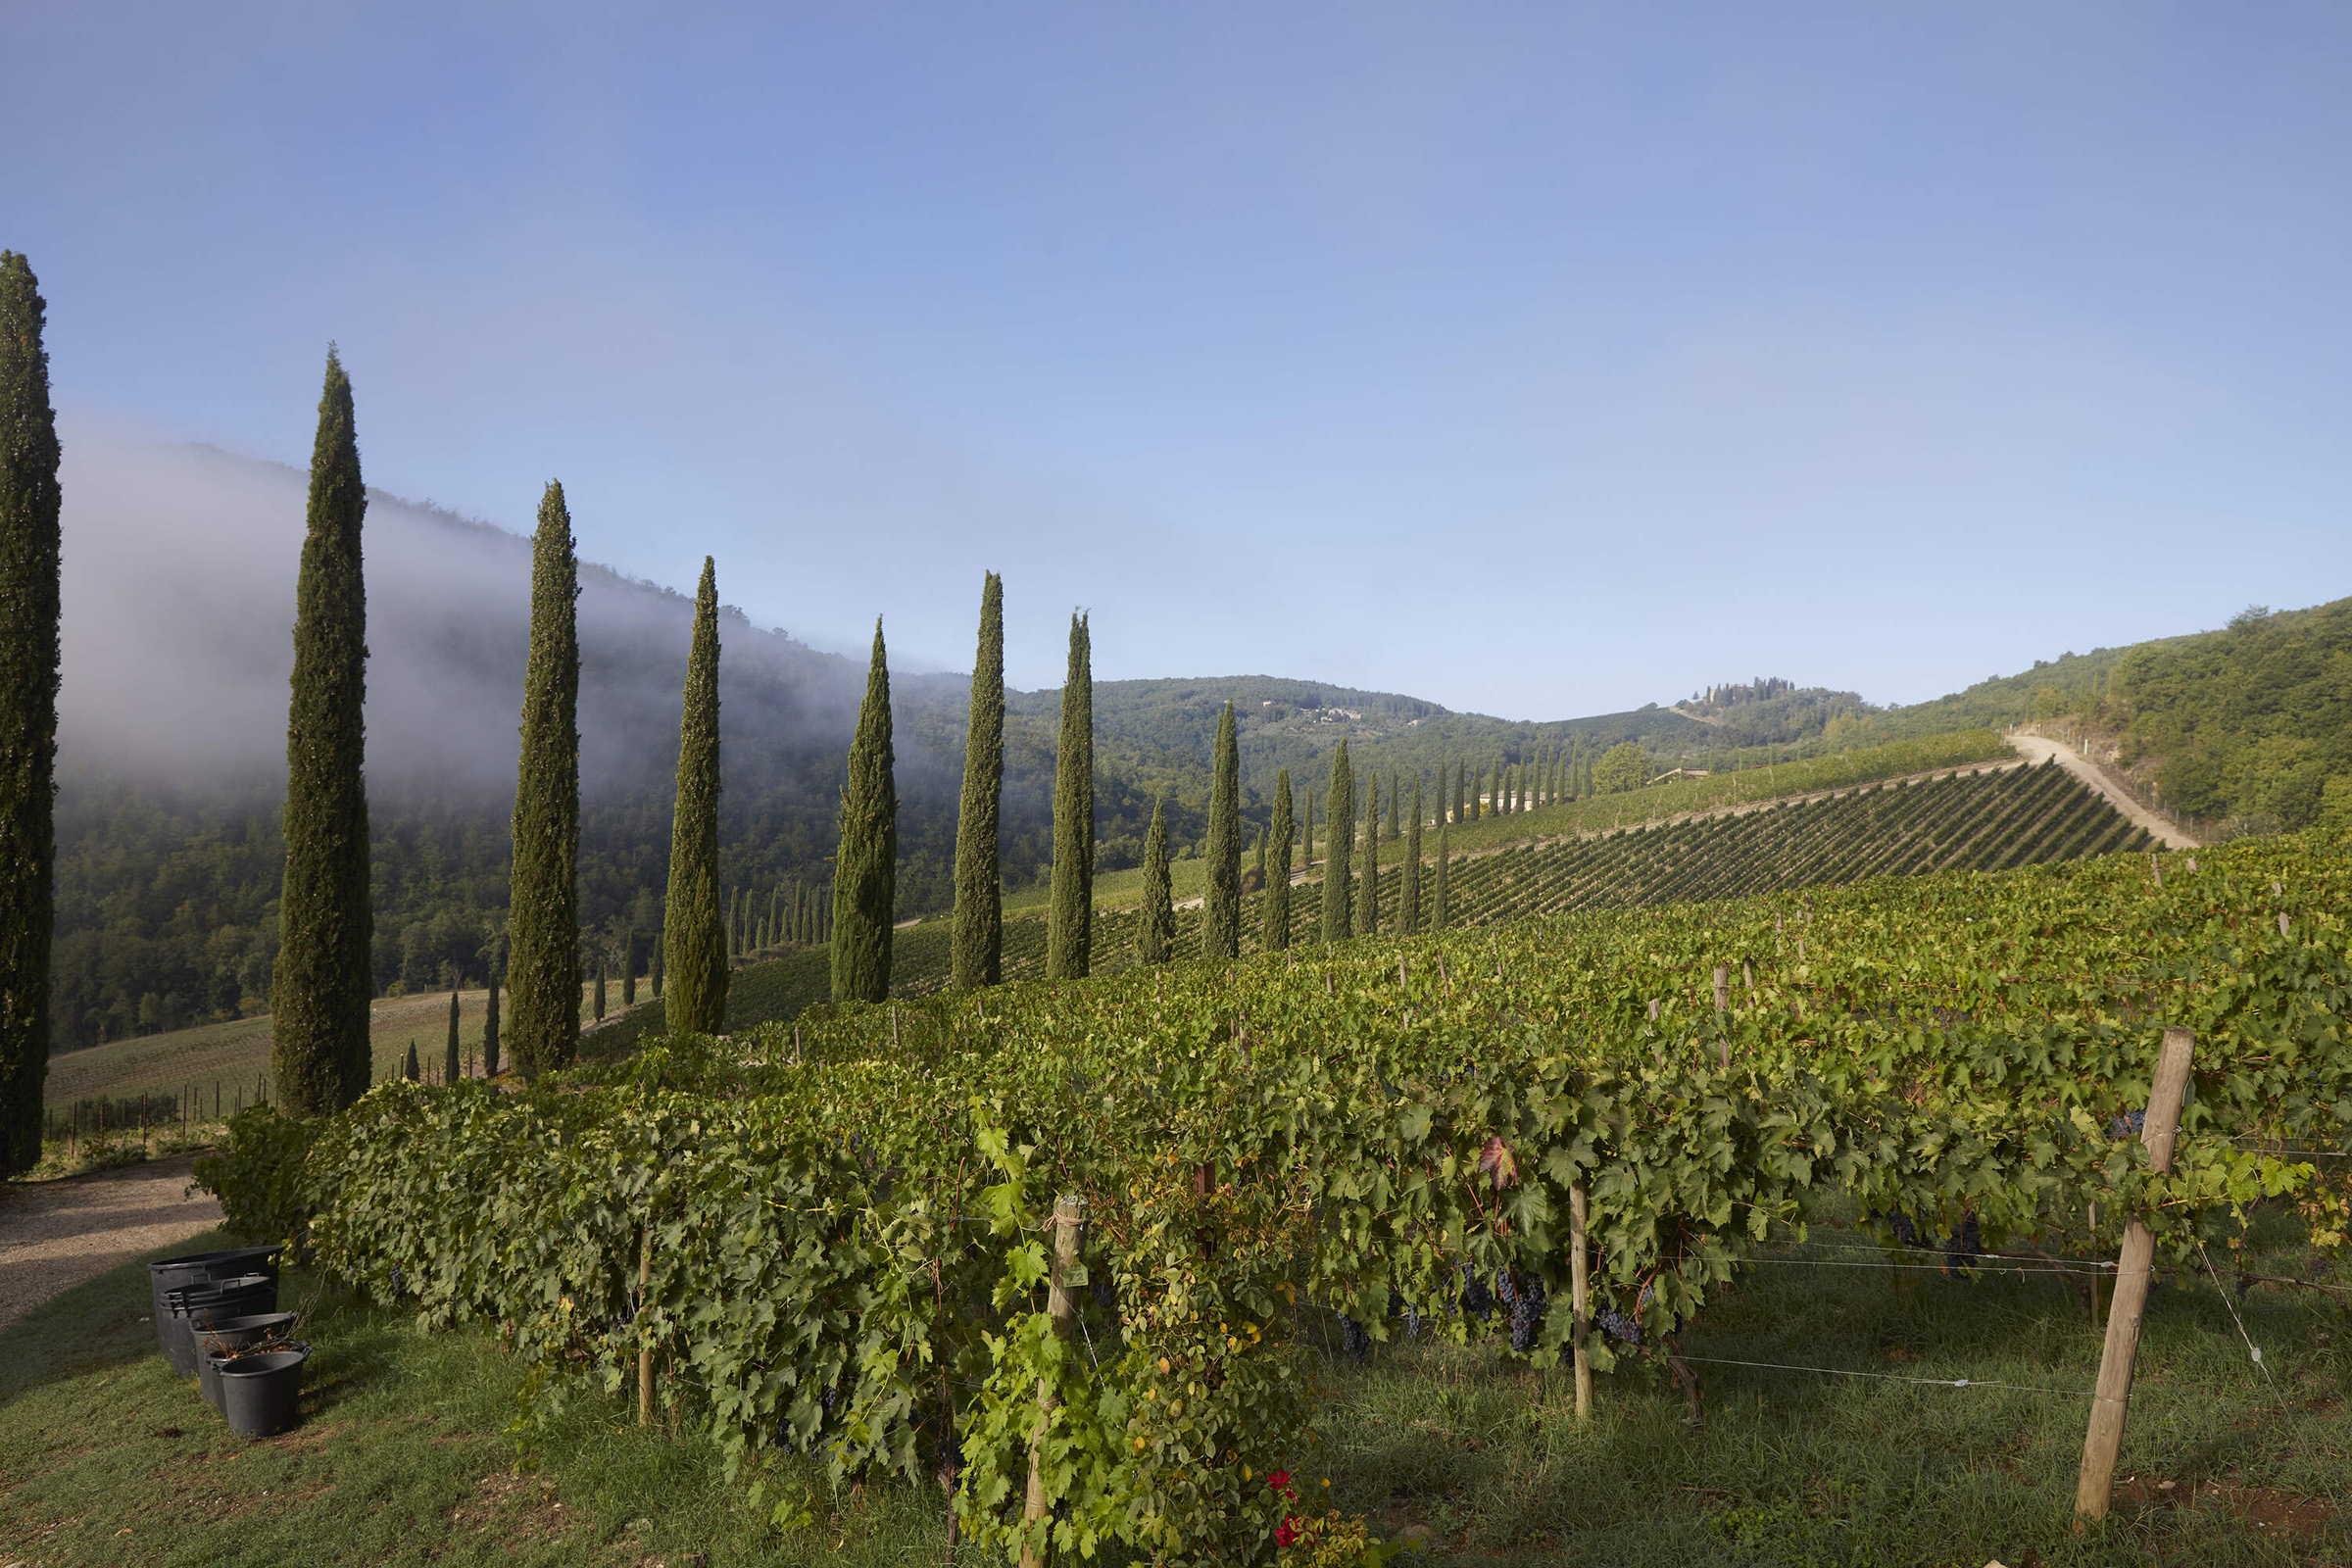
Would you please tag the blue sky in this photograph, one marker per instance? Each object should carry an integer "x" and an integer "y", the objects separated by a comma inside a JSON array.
[{"x": 1539, "y": 360}]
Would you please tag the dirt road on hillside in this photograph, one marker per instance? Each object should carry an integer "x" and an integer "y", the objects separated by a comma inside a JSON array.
[
  {"x": 2038, "y": 748},
  {"x": 54, "y": 1235}
]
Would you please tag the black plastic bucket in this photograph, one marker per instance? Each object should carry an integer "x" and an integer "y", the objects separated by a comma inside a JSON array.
[
  {"x": 191, "y": 1306},
  {"x": 211, "y": 1357},
  {"x": 260, "y": 1394},
  {"x": 201, "y": 1268}
]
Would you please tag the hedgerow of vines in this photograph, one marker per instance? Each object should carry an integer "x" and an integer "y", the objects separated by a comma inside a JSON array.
[{"x": 840, "y": 1224}]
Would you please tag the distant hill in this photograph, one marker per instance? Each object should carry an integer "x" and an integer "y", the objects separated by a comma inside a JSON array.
[{"x": 179, "y": 584}]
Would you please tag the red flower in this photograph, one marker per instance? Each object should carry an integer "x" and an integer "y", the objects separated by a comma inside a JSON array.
[
  {"x": 1280, "y": 1482},
  {"x": 1287, "y": 1532}
]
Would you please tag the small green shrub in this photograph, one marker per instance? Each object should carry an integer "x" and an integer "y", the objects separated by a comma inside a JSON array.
[{"x": 263, "y": 1176}]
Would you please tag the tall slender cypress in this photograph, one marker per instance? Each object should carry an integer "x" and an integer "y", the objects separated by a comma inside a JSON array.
[
  {"x": 490, "y": 1026},
  {"x": 1408, "y": 899},
  {"x": 1368, "y": 914},
  {"x": 412, "y": 1070},
  {"x": 979, "y": 932},
  {"x": 599, "y": 1002},
  {"x": 450, "y": 1068},
  {"x": 29, "y": 502},
  {"x": 1158, "y": 940},
  {"x": 319, "y": 1054},
  {"x": 1307, "y": 833},
  {"x": 1393, "y": 803},
  {"x": 1461, "y": 790},
  {"x": 865, "y": 883},
  {"x": 691, "y": 924},
  {"x": 1221, "y": 906},
  {"x": 654, "y": 967},
  {"x": 1339, "y": 822},
  {"x": 1440, "y": 916},
  {"x": 628, "y": 967},
  {"x": 1274, "y": 915},
  {"x": 1070, "y": 916},
  {"x": 544, "y": 885},
  {"x": 1261, "y": 857}
]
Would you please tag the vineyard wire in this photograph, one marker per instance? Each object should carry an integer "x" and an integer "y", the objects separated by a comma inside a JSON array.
[
  {"x": 1897, "y": 1377},
  {"x": 2255, "y": 1349}
]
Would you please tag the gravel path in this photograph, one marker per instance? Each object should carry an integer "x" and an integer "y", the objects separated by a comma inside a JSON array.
[
  {"x": 2038, "y": 747},
  {"x": 54, "y": 1235}
]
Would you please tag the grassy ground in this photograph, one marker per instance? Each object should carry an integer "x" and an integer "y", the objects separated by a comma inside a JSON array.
[
  {"x": 235, "y": 1055},
  {"x": 105, "y": 1459}
]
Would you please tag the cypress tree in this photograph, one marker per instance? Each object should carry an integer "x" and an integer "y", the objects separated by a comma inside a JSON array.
[
  {"x": 1306, "y": 856},
  {"x": 628, "y": 967},
  {"x": 1367, "y": 915},
  {"x": 1158, "y": 938},
  {"x": 1274, "y": 914},
  {"x": 1262, "y": 859},
  {"x": 1393, "y": 803},
  {"x": 867, "y": 867},
  {"x": 1408, "y": 900},
  {"x": 657, "y": 967},
  {"x": 697, "y": 1003},
  {"x": 1461, "y": 790},
  {"x": 1070, "y": 928},
  {"x": 452, "y": 1071},
  {"x": 29, "y": 502},
  {"x": 600, "y": 988},
  {"x": 490, "y": 1027},
  {"x": 979, "y": 937},
  {"x": 1440, "y": 916},
  {"x": 1339, "y": 818},
  {"x": 319, "y": 1053},
  {"x": 410, "y": 1068},
  {"x": 544, "y": 890},
  {"x": 1221, "y": 908}
]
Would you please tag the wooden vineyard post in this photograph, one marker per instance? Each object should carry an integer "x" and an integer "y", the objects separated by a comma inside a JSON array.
[
  {"x": 1723, "y": 1011},
  {"x": 645, "y": 1354},
  {"x": 1062, "y": 1307},
  {"x": 2130, "y": 1294},
  {"x": 1580, "y": 1300}
]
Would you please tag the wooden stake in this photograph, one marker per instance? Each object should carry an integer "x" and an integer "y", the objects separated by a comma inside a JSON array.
[
  {"x": 2101, "y": 1444},
  {"x": 645, "y": 1354},
  {"x": 1723, "y": 1008},
  {"x": 2282, "y": 922},
  {"x": 1578, "y": 1300},
  {"x": 1062, "y": 1307}
]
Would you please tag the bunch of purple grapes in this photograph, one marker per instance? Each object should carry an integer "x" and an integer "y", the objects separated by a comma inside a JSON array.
[
  {"x": 1354, "y": 1340},
  {"x": 1618, "y": 1326},
  {"x": 1474, "y": 1298},
  {"x": 1962, "y": 1247},
  {"x": 2130, "y": 1124},
  {"x": 1524, "y": 1294}
]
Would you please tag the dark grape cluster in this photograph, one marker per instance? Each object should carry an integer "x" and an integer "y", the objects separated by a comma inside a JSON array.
[
  {"x": 946, "y": 1453},
  {"x": 1524, "y": 1294},
  {"x": 1107, "y": 1295},
  {"x": 1618, "y": 1325},
  {"x": 2130, "y": 1124},
  {"x": 1412, "y": 1321},
  {"x": 1354, "y": 1339},
  {"x": 1475, "y": 1298},
  {"x": 1962, "y": 1247}
]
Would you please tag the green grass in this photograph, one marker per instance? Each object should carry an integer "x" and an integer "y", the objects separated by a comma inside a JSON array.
[
  {"x": 105, "y": 1459},
  {"x": 402, "y": 1456},
  {"x": 1804, "y": 1469},
  {"x": 233, "y": 1054}
]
